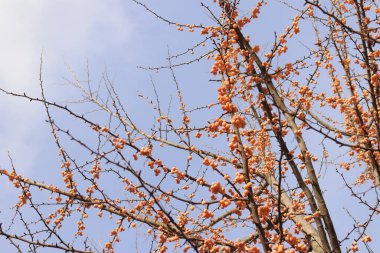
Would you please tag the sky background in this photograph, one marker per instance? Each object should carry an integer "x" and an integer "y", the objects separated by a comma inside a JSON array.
[{"x": 116, "y": 36}]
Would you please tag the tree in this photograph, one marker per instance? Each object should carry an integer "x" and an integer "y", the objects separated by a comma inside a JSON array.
[{"x": 253, "y": 171}]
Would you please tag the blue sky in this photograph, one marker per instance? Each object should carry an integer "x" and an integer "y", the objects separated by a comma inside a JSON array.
[
  {"x": 113, "y": 35},
  {"x": 116, "y": 36}
]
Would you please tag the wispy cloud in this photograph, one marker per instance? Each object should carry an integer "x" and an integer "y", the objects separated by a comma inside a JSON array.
[{"x": 71, "y": 30}]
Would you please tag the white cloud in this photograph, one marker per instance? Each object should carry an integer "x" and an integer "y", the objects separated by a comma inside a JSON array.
[{"x": 64, "y": 29}]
